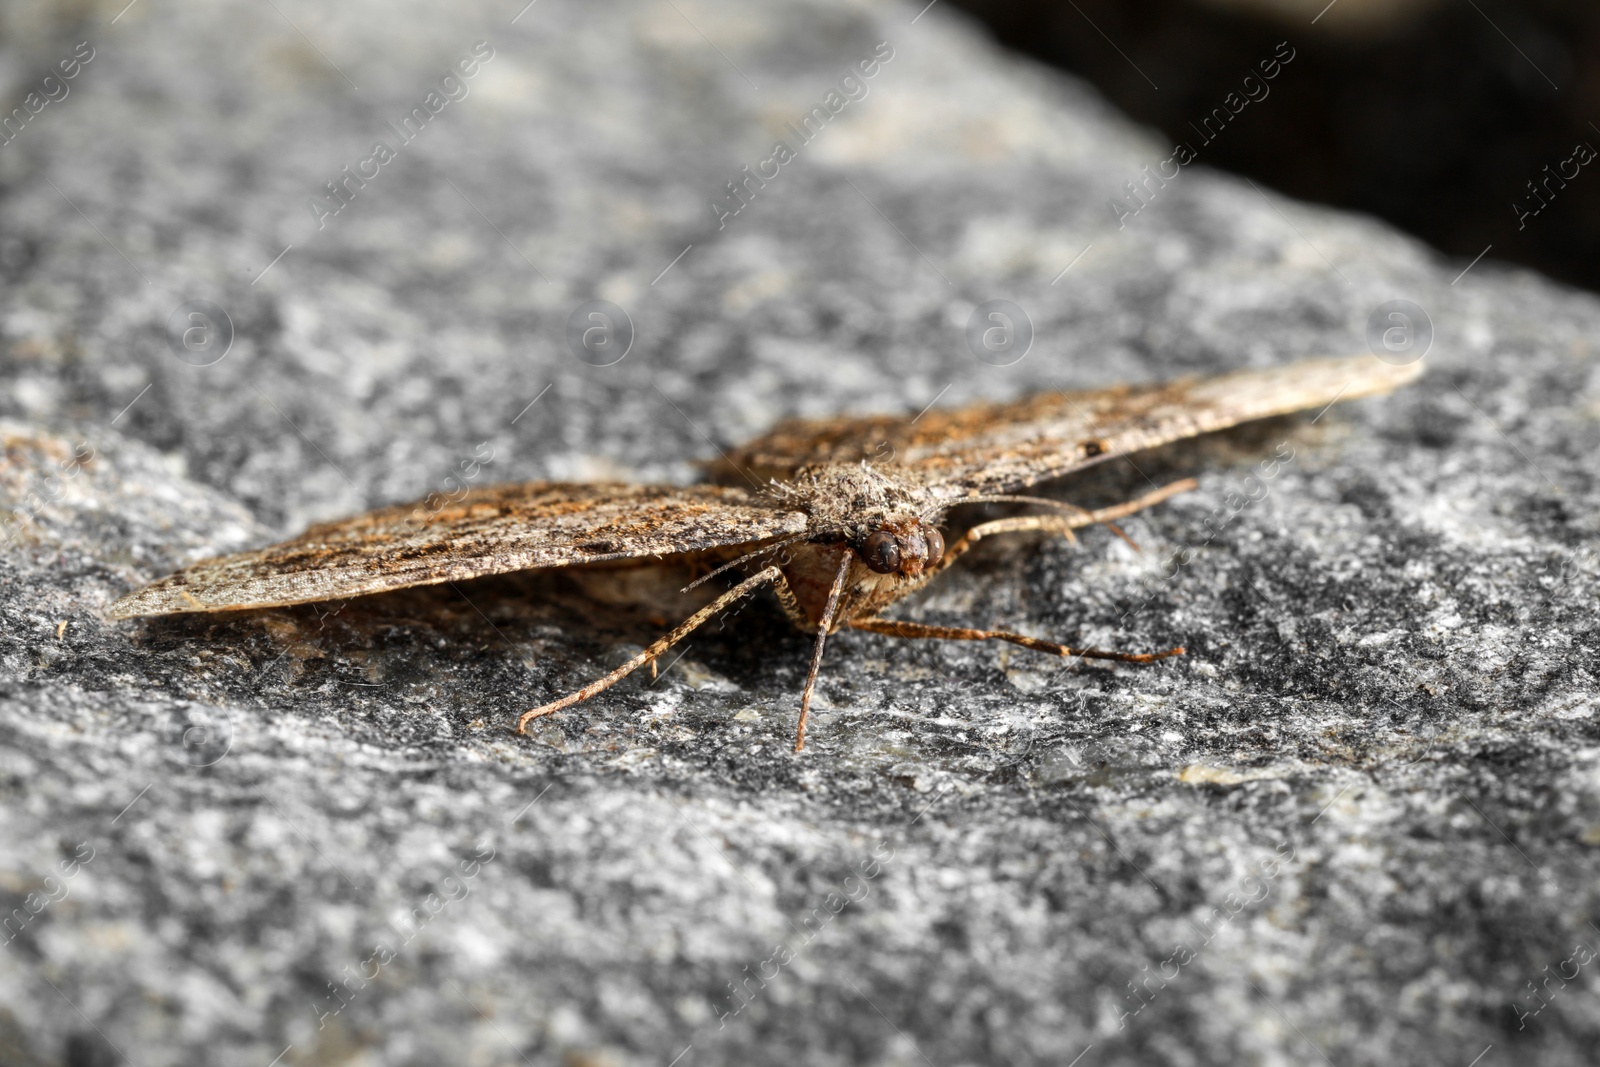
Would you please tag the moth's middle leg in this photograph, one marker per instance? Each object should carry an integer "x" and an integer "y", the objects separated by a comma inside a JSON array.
[{"x": 654, "y": 652}]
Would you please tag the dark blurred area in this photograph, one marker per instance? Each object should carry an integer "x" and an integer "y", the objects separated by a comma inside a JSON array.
[{"x": 1465, "y": 122}]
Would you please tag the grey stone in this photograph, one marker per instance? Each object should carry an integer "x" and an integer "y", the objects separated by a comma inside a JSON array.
[{"x": 1367, "y": 802}]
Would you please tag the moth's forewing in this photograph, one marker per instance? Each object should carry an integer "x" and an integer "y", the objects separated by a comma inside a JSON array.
[
  {"x": 489, "y": 531},
  {"x": 984, "y": 448},
  {"x": 996, "y": 448}
]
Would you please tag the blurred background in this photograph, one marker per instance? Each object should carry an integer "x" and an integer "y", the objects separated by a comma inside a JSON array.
[{"x": 1432, "y": 114}]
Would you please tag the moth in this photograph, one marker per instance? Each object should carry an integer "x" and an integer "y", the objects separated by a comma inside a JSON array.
[{"x": 846, "y": 520}]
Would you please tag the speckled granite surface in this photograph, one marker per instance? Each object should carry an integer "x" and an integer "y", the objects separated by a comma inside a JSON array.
[{"x": 1360, "y": 822}]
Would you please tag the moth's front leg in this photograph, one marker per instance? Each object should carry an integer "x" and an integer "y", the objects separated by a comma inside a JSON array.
[
  {"x": 1064, "y": 524},
  {"x": 772, "y": 575},
  {"x": 654, "y": 652}
]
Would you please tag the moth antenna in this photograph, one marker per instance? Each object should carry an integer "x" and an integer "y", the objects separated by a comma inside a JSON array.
[{"x": 742, "y": 559}]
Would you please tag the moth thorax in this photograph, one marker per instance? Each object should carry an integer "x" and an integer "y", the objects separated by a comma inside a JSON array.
[{"x": 901, "y": 548}]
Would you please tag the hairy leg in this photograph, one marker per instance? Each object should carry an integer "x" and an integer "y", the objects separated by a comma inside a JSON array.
[
  {"x": 651, "y": 654},
  {"x": 816, "y": 652},
  {"x": 1060, "y": 523},
  {"x": 896, "y": 628}
]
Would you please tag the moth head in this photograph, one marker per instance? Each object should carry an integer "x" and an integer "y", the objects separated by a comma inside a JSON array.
[{"x": 905, "y": 548}]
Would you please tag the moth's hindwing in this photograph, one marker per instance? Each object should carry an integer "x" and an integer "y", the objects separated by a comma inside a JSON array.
[{"x": 488, "y": 531}]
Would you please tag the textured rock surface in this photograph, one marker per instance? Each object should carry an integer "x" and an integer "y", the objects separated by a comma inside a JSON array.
[{"x": 1367, "y": 805}]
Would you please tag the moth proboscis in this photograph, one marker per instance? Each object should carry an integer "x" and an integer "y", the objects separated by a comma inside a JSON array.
[{"x": 847, "y": 524}]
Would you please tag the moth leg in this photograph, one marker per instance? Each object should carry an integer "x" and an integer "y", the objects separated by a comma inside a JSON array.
[
  {"x": 828, "y": 613},
  {"x": 651, "y": 654},
  {"x": 1022, "y": 523},
  {"x": 1060, "y": 523},
  {"x": 896, "y": 628}
]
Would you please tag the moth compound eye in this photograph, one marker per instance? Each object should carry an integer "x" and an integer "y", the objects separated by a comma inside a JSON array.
[
  {"x": 935, "y": 544},
  {"x": 882, "y": 552}
]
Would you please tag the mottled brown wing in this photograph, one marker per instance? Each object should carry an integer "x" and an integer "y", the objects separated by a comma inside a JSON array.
[
  {"x": 489, "y": 531},
  {"x": 1001, "y": 447}
]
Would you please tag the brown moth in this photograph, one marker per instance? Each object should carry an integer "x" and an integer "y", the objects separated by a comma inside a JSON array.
[{"x": 845, "y": 532}]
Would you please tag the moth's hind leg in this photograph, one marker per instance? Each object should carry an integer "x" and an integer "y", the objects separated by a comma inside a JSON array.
[
  {"x": 1064, "y": 524},
  {"x": 896, "y": 628},
  {"x": 654, "y": 652}
]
